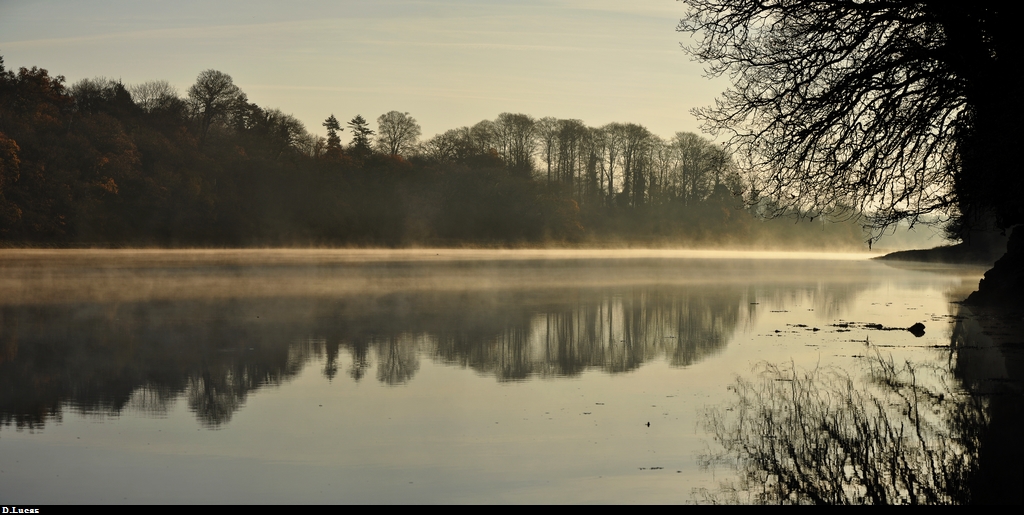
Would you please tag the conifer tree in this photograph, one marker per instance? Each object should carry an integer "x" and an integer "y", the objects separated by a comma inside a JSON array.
[
  {"x": 333, "y": 127},
  {"x": 361, "y": 133}
]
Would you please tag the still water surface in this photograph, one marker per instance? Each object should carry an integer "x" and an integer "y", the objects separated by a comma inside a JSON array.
[{"x": 371, "y": 376}]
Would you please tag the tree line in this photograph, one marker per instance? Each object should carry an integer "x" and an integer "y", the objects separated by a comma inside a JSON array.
[{"x": 104, "y": 163}]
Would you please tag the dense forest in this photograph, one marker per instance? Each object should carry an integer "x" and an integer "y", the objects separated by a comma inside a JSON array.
[{"x": 101, "y": 163}]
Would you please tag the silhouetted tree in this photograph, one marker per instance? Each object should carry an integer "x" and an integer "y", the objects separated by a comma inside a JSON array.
[
  {"x": 895, "y": 107},
  {"x": 283, "y": 131},
  {"x": 311, "y": 145},
  {"x": 569, "y": 138},
  {"x": 635, "y": 140},
  {"x": 484, "y": 136},
  {"x": 452, "y": 146},
  {"x": 333, "y": 128},
  {"x": 153, "y": 95},
  {"x": 699, "y": 167},
  {"x": 396, "y": 133},
  {"x": 360, "y": 135},
  {"x": 547, "y": 135},
  {"x": 212, "y": 97},
  {"x": 516, "y": 135}
]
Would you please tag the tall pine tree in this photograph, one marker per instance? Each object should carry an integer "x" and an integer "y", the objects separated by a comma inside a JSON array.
[
  {"x": 333, "y": 140},
  {"x": 361, "y": 133}
]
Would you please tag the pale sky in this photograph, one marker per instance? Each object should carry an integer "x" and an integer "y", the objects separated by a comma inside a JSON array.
[{"x": 448, "y": 63}]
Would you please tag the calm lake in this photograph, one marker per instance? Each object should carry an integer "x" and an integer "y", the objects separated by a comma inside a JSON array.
[{"x": 411, "y": 376}]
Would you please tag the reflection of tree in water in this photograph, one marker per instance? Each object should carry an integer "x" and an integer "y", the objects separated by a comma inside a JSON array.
[
  {"x": 611, "y": 330},
  {"x": 398, "y": 359},
  {"x": 703, "y": 328},
  {"x": 360, "y": 348},
  {"x": 986, "y": 359},
  {"x": 815, "y": 437},
  {"x": 513, "y": 360},
  {"x": 829, "y": 301},
  {"x": 330, "y": 358},
  {"x": 108, "y": 358},
  {"x": 220, "y": 387},
  {"x": 215, "y": 400},
  {"x": 620, "y": 332},
  {"x": 105, "y": 358},
  {"x": 153, "y": 400}
]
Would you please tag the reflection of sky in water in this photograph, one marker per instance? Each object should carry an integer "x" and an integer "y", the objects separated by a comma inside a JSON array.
[{"x": 482, "y": 375}]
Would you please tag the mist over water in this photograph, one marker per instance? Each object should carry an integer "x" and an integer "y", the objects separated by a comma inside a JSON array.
[
  {"x": 32, "y": 276},
  {"x": 416, "y": 375}
]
